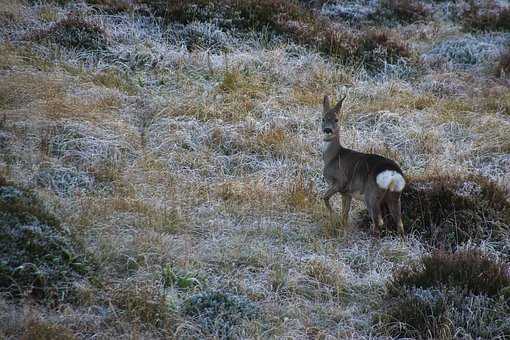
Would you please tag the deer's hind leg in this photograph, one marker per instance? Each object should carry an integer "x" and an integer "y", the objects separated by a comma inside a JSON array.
[
  {"x": 373, "y": 203},
  {"x": 394, "y": 206},
  {"x": 346, "y": 207}
]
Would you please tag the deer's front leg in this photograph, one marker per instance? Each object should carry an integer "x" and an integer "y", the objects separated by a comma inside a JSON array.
[
  {"x": 346, "y": 207},
  {"x": 333, "y": 189}
]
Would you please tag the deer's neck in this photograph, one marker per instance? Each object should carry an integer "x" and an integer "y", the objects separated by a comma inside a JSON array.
[{"x": 333, "y": 149}]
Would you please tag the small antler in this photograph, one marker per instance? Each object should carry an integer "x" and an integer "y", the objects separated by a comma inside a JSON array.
[
  {"x": 338, "y": 105},
  {"x": 325, "y": 103}
]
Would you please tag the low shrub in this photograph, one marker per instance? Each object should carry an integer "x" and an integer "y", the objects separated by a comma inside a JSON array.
[
  {"x": 449, "y": 211},
  {"x": 442, "y": 314},
  {"x": 465, "y": 52},
  {"x": 401, "y": 11},
  {"x": 486, "y": 16},
  {"x": 199, "y": 35},
  {"x": 503, "y": 66},
  {"x": 447, "y": 295},
  {"x": 74, "y": 32},
  {"x": 219, "y": 312},
  {"x": 37, "y": 258},
  {"x": 470, "y": 271}
]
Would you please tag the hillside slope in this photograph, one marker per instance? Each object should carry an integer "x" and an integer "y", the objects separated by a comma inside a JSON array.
[{"x": 176, "y": 147}]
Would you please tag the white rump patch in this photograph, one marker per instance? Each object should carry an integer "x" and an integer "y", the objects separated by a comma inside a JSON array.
[{"x": 390, "y": 180}]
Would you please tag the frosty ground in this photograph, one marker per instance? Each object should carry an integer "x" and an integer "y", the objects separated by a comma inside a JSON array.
[{"x": 180, "y": 164}]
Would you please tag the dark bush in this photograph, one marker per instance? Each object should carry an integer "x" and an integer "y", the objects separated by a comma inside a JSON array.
[
  {"x": 37, "y": 258},
  {"x": 447, "y": 295},
  {"x": 413, "y": 315},
  {"x": 468, "y": 270},
  {"x": 503, "y": 67},
  {"x": 218, "y": 312},
  {"x": 74, "y": 32},
  {"x": 447, "y": 211},
  {"x": 442, "y": 314},
  {"x": 401, "y": 11},
  {"x": 486, "y": 16}
]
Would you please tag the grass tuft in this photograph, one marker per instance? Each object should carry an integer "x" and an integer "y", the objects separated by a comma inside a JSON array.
[
  {"x": 218, "y": 312},
  {"x": 143, "y": 303}
]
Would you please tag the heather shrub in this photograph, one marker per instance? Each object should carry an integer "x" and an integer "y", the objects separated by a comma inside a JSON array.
[
  {"x": 470, "y": 271},
  {"x": 401, "y": 11},
  {"x": 447, "y": 294},
  {"x": 486, "y": 16},
  {"x": 466, "y": 52},
  {"x": 292, "y": 19},
  {"x": 447, "y": 211},
  {"x": 199, "y": 35},
  {"x": 442, "y": 314},
  {"x": 74, "y": 32},
  {"x": 503, "y": 66}
]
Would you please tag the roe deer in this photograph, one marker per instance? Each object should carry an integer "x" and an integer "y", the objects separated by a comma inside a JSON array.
[{"x": 374, "y": 179}]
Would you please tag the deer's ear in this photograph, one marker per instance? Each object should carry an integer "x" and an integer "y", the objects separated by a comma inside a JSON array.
[
  {"x": 325, "y": 104},
  {"x": 338, "y": 105}
]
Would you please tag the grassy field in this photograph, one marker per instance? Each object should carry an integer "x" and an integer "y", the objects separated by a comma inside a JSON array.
[{"x": 161, "y": 170}]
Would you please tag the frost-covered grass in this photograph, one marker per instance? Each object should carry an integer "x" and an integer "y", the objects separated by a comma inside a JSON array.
[{"x": 185, "y": 160}]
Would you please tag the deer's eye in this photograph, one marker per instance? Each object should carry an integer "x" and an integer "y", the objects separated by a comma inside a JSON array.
[{"x": 336, "y": 120}]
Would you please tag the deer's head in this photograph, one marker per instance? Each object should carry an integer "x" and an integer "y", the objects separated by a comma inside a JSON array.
[{"x": 330, "y": 118}]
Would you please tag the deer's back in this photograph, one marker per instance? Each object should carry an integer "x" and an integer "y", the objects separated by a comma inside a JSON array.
[{"x": 359, "y": 170}]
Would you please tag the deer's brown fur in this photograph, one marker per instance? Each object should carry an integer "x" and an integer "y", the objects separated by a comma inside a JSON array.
[{"x": 376, "y": 180}]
